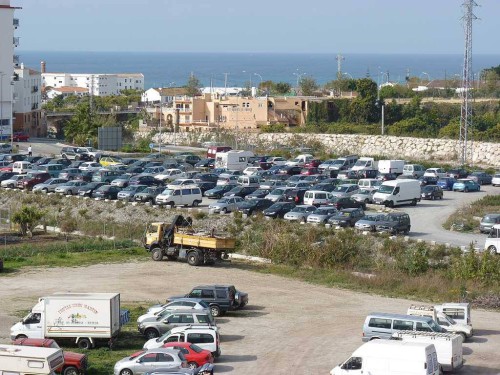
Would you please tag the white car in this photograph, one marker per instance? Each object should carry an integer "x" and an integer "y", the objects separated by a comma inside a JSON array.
[
  {"x": 12, "y": 182},
  {"x": 180, "y": 304},
  {"x": 435, "y": 172},
  {"x": 90, "y": 166},
  {"x": 277, "y": 160},
  {"x": 495, "y": 181},
  {"x": 170, "y": 174},
  {"x": 181, "y": 182},
  {"x": 249, "y": 171}
]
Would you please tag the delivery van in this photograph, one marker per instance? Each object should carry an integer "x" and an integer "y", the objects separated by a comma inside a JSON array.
[
  {"x": 391, "y": 357},
  {"x": 458, "y": 311},
  {"x": 29, "y": 360},
  {"x": 391, "y": 166},
  {"x": 383, "y": 325},
  {"x": 187, "y": 195},
  {"x": 398, "y": 192},
  {"x": 22, "y": 167}
]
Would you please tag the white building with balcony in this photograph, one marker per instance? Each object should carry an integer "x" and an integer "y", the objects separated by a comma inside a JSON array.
[
  {"x": 27, "y": 102},
  {"x": 8, "y": 42}
]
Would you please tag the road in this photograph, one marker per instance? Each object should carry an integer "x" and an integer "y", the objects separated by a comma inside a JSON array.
[{"x": 289, "y": 327}]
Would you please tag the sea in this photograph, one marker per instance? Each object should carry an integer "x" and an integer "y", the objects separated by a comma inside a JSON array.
[{"x": 164, "y": 69}]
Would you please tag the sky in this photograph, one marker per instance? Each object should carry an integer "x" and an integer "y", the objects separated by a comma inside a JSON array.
[{"x": 283, "y": 26}]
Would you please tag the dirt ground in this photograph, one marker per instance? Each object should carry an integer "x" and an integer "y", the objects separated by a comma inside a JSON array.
[{"x": 289, "y": 327}]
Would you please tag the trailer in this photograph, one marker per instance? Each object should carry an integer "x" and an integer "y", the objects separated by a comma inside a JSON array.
[
  {"x": 27, "y": 360},
  {"x": 178, "y": 240}
]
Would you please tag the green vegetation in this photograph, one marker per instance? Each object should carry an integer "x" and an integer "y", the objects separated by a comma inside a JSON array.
[
  {"x": 463, "y": 220},
  {"x": 28, "y": 218}
]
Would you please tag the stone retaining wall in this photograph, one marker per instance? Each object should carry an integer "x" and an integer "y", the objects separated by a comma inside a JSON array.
[{"x": 484, "y": 153}]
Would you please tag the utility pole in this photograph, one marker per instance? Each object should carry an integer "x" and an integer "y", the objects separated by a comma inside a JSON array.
[
  {"x": 339, "y": 59},
  {"x": 465, "y": 140},
  {"x": 225, "y": 83}
]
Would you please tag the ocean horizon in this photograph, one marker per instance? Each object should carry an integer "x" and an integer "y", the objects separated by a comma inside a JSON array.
[{"x": 163, "y": 69}]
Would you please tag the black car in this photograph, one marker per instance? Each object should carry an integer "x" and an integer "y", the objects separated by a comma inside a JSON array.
[
  {"x": 106, "y": 192},
  {"x": 259, "y": 193},
  {"x": 387, "y": 176},
  {"x": 279, "y": 209},
  {"x": 347, "y": 217},
  {"x": 395, "y": 222},
  {"x": 43, "y": 161},
  {"x": 149, "y": 194},
  {"x": 88, "y": 189},
  {"x": 6, "y": 175},
  {"x": 134, "y": 170},
  {"x": 431, "y": 192},
  {"x": 212, "y": 177},
  {"x": 240, "y": 191},
  {"x": 346, "y": 202},
  {"x": 205, "y": 185},
  {"x": 295, "y": 195},
  {"x": 325, "y": 186},
  {"x": 205, "y": 163},
  {"x": 428, "y": 180},
  {"x": 457, "y": 173},
  {"x": 64, "y": 162},
  {"x": 218, "y": 191},
  {"x": 252, "y": 206},
  {"x": 33, "y": 159},
  {"x": 291, "y": 170},
  {"x": 144, "y": 179}
]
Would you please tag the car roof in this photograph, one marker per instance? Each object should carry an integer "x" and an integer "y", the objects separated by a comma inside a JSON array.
[
  {"x": 213, "y": 286},
  {"x": 400, "y": 316}
]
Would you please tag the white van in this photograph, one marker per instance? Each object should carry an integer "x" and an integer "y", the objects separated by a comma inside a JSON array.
[
  {"x": 234, "y": 159},
  {"x": 318, "y": 197},
  {"x": 29, "y": 360},
  {"x": 369, "y": 183},
  {"x": 492, "y": 243},
  {"x": 397, "y": 192},
  {"x": 458, "y": 311},
  {"x": 415, "y": 170},
  {"x": 448, "y": 346},
  {"x": 365, "y": 164},
  {"x": 252, "y": 181},
  {"x": 22, "y": 167},
  {"x": 391, "y": 357},
  {"x": 188, "y": 195},
  {"x": 300, "y": 160},
  {"x": 391, "y": 166}
]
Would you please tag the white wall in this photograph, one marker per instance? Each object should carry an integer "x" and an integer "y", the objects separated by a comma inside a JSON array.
[{"x": 6, "y": 64}]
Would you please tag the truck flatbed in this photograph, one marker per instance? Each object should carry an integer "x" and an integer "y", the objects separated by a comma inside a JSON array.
[{"x": 201, "y": 240}]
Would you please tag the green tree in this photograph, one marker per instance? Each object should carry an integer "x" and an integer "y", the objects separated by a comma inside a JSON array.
[
  {"x": 267, "y": 86},
  {"x": 308, "y": 86},
  {"x": 85, "y": 123},
  {"x": 28, "y": 218},
  {"x": 282, "y": 88},
  {"x": 366, "y": 88},
  {"x": 193, "y": 86}
]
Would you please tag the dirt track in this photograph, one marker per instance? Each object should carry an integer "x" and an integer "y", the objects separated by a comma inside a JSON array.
[{"x": 289, "y": 327}]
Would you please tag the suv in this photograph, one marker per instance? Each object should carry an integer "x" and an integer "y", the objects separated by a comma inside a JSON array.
[
  {"x": 395, "y": 223},
  {"x": 32, "y": 179},
  {"x": 220, "y": 298},
  {"x": 69, "y": 153},
  {"x": 347, "y": 217},
  {"x": 431, "y": 192},
  {"x": 488, "y": 221},
  {"x": 74, "y": 363},
  {"x": 157, "y": 325}
]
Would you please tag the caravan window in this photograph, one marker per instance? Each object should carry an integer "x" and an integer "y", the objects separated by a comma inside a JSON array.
[
  {"x": 242, "y": 159},
  {"x": 455, "y": 313}
]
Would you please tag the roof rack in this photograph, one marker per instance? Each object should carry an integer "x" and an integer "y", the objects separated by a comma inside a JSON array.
[
  {"x": 421, "y": 307},
  {"x": 426, "y": 334}
]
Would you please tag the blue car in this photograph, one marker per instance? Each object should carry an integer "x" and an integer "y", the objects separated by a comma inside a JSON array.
[
  {"x": 446, "y": 183},
  {"x": 466, "y": 185}
]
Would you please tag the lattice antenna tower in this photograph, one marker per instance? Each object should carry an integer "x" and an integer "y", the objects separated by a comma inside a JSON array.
[
  {"x": 339, "y": 59},
  {"x": 465, "y": 140}
]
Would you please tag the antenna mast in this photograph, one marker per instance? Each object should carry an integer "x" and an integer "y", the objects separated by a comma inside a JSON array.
[{"x": 465, "y": 140}]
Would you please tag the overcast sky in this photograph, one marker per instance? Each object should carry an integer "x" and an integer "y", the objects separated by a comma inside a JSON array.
[{"x": 331, "y": 26}]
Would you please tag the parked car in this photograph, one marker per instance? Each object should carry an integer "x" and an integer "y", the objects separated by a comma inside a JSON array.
[
  {"x": 205, "y": 163},
  {"x": 69, "y": 188},
  {"x": 148, "y": 360},
  {"x": 127, "y": 194},
  {"x": 364, "y": 196},
  {"x": 446, "y": 183},
  {"x": 291, "y": 170},
  {"x": 31, "y": 179},
  {"x": 481, "y": 178},
  {"x": 457, "y": 173},
  {"x": 195, "y": 356},
  {"x": 49, "y": 185},
  {"x": 6, "y": 175},
  {"x": 181, "y": 182},
  {"x": 69, "y": 152},
  {"x": 278, "y": 209},
  {"x": 369, "y": 222},
  {"x": 87, "y": 189},
  {"x": 258, "y": 193},
  {"x": 278, "y": 194},
  {"x": 240, "y": 191},
  {"x": 249, "y": 171},
  {"x": 394, "y": 223},
  {"x": 300, "y": 213},
  {"x": 106, "y": 161},
  {"x": 466, "y": 185},
  {"x": 70, "y": 173},
  {"x": 90, "y": 166},
  {"x": 325, "y": 186},
  {"x": 435, "y": 172},
  {"x": 225, "y": 204},
  {"x": 346, "y": 202},
  {"x": 220, "y": 298},
  {"x": 428, "y": 180},
  {"x": 386, "y": 176},
  {"x": 121, "y": 181},
  {"x": 218, "y": 191},
  {"x": 487, "y": 222},
  {"x": 495, "y": 181},
  {"x": 345, "y": 190},
  {"x": 346, "y": 217},
  {"x": 296, "y": 195},
  {"x": 20, "y": 137},
  {"x": 431, "y": 192},
  {"x": 148, "y": 194},
  {"x": 211, "y": 177},
  {"x": 106, "y": 192},
  {"x": 321, "y": 215},
  {"x": 12, "y": 181},
  {"x": 309, "y": 171},
  {"x": 74, "y": 363},
  {"x": 144, "y": 179},
  {"x": 251, "y": 206}
]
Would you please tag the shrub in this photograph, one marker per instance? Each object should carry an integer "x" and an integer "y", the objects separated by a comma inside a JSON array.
[{"x": 28, "y": 218}]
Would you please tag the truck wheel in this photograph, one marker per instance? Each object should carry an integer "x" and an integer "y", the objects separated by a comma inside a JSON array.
[
  {"x": 414, "y": 202},
  {"x": 492, "y": 249},
  {"x": 126, "y": 371},
  {"x": 157, "y": 254},
  {"x": 194, "y": 258},
  {"x": 84, "y": 344},
  {"x": 151, "y": 333},
  {"x": 215, "y": 310},
  {"x": 390, "y": 204},
  {"x": 70, "y": 370}
]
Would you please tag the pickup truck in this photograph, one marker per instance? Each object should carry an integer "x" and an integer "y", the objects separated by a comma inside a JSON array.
[{"x": 220, "y": 298}]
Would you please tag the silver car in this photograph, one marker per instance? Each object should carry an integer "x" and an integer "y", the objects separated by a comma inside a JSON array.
[
  {"x": 345, "y": 190},
  {"x": 369, "y": 222},
  {"x": 364, "y": 195},
  {"x": 321, "y": 215},
  {"x": 49, "y": 185},
  {"x": 70, "y": 187},
  {"x": 300, "y": 213},
  {"x": 227, "y": 204},
  {"x": 147, "y": 361},
  {"x": 129, "y": 192},
  {"x": 278, "y": 194}
]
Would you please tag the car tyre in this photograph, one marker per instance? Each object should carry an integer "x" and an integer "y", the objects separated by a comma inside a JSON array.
[
  {"x": 492, "y": 249},
  {"x": 192, "y": 365},
  {"x": 45, "y": 191},
  {"x": 21, "y": 337},
  {"x": 157, "y": 254},
  {"x": 224, "y": 210},
  {"x": 215, "y": 310},
  {"x": 196, "y": 203},
  {"x": 151, "y": 333},
  {"x": 466, "y": 190},
  {"x": 71, "y": 370},
  {"x": 390, "y": 204},
  {"x": 194, "y": 258},
  {"x": 84, "y": 344},
  {"x": 126, "y": 371}
]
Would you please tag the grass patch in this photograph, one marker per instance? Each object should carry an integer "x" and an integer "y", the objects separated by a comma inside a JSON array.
[{"x": 463, "y": 220}]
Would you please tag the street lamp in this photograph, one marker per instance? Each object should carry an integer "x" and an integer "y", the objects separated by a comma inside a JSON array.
[
  {"x": 428, "y": 76},
  {"x": 161, "y": 115},
  {"x": 380, "y": 103},
  {"x": 299, "y": 78},
  {"x": 258, "y": 75}
]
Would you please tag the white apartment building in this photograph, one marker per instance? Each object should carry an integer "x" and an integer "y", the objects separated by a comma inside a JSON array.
[
  {"x": 27, "y": 102},
  {"x": 7, "y": 60},
  {"x": 96, "y": 84}
]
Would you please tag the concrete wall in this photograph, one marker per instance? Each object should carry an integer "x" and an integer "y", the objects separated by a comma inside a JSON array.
[{"x": 484, "y": 153}]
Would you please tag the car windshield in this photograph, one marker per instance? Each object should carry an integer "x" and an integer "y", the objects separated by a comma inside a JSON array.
[
  {"x": 488, "y": 219},
  {"x": 345, "y": 214},
  {"x": 223, "y": 200},
  {"x": 277, "y": 192},
  {"x": 364, "y": 191},
  {"x": 373, "y": 217},
  {"x": 164, "y": 337},
  {"x": 434, "y": 326},
  {"x": 299, "y": 209},
  {"x": 386, "y": 189},
  {"x": 167, "y": 192}
]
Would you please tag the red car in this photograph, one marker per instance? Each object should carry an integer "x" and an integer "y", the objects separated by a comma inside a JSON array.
[
  {"x": 74, "y": 363},
  {"x": 20, "y": 137},
  {"x": 195, "y": 356},
  {"x": 313, "y": 163},
  {"x": 309, "y": 171}
]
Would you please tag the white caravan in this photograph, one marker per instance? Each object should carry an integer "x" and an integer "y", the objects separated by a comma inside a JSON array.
[
  {"x": 233, "y": 160},
  {"x": 29, "y": 360}
]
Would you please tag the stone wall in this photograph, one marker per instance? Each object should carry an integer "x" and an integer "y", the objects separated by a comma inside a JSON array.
[{"x": 484, "y": 153}]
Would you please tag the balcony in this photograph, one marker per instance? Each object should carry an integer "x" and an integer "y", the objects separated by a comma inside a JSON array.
[
  {"x": 15, "y": 23},
  {"x": 15, "y": 60},
  {"x": 15, "y": 41},
  {"x": 34, "y": 89}
]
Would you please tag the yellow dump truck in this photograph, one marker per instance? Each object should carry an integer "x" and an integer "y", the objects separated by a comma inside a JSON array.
[{"x": 178, "y": 240}]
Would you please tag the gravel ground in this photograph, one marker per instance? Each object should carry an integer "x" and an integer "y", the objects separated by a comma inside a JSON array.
[{"x": 289, "y": 327}]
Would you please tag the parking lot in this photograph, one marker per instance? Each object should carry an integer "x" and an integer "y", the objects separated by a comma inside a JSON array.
[{"x": 289, "y": 327}]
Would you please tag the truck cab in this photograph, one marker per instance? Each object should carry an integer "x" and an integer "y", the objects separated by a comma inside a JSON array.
[
  {"x": 492, "y": 243},
  {"x": 30, "y": 326}
]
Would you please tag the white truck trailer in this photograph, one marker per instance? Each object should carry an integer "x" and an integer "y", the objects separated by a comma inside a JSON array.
[
  {"x": 84, "y": 318},
  {"x": 391, "y": 166},
  {"x": 29, "y": 360},
  {"x": 234, "y": 160}
]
